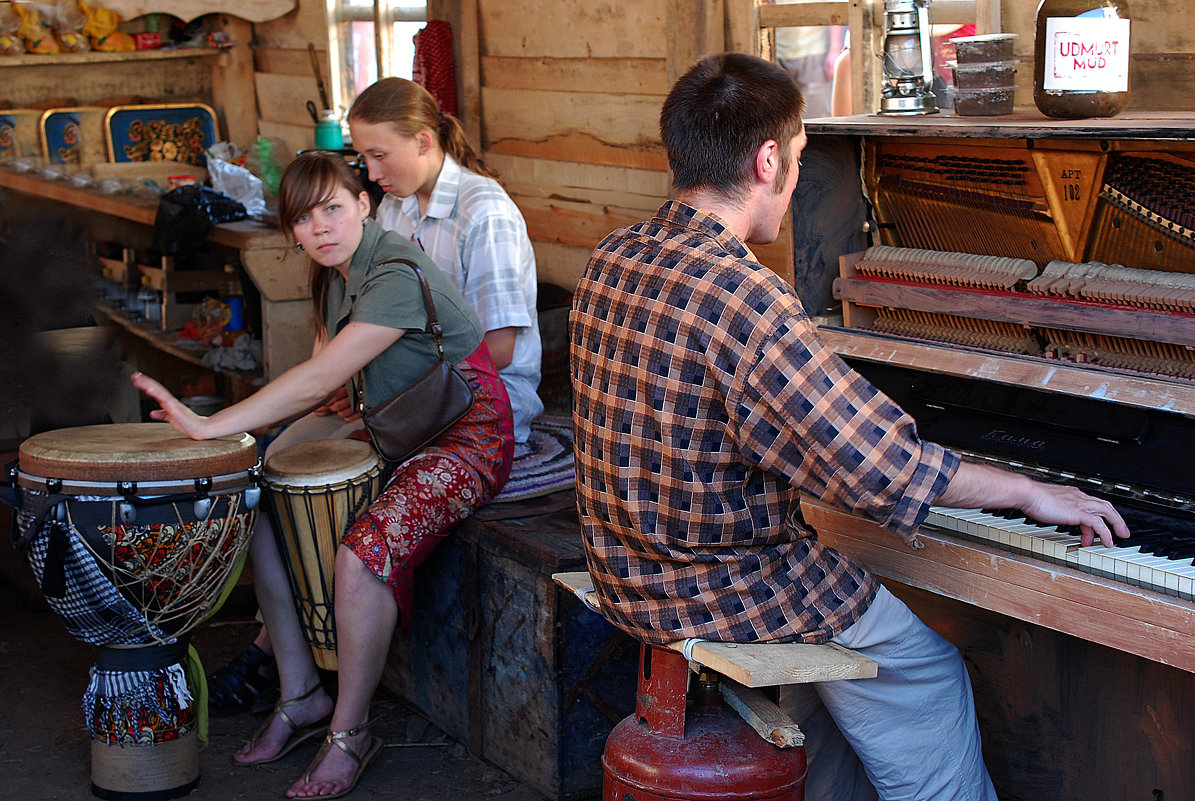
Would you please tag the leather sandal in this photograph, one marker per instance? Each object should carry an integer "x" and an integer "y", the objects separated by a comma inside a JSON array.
[
  {"x": 299, "y": 734},
  {"x": 337, "y": 739},
  {"x": 247, "y": 683}
]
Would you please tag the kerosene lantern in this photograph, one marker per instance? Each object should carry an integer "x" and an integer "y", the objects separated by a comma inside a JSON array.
[{"x": 908, "y": 59}]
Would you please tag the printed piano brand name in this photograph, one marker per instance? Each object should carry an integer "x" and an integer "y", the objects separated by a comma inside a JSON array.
[{"x": 1005, "y": 438}]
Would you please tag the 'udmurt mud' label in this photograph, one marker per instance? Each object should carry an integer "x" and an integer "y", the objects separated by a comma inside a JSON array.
[{"x": 1086, "y": 53}]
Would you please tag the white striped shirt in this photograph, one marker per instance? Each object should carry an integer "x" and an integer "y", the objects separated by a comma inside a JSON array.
[{"x": 475, "y": 233}]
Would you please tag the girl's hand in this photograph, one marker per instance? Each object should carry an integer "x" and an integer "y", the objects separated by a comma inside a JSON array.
[{"x": 172, "y": 411}]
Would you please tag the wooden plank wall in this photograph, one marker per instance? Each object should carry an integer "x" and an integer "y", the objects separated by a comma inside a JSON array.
[
  {"x": 569, "y": 100},
  {"x": 283, "y": 76},
  {"x": 563, "y": 96},
  {"x": 568, "y": 96}
]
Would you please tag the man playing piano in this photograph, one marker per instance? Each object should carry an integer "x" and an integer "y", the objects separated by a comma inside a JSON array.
[{"x": 705, "y": 403}]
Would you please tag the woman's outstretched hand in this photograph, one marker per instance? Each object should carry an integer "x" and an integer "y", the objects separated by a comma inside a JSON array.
[{"x": 172, "y": 410}]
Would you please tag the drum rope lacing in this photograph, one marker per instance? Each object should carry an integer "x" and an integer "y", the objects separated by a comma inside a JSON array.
[{"x": 194, "y": 575}]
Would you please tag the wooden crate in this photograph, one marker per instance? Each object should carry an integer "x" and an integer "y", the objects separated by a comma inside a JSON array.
[{"x": 505, "y": 661}]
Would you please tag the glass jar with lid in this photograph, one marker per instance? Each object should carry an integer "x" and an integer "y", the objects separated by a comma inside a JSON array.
[{"x": 1081, "y": 58}]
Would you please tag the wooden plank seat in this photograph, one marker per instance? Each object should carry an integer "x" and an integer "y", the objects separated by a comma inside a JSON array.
[{"x": 745, "y": 667}]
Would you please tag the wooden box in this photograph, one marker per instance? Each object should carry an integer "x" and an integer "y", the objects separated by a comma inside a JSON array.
[{"x": 505, "y": 661}]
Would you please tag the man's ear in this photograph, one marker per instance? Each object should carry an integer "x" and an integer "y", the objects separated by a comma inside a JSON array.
[{"x": 767, "y": 162}]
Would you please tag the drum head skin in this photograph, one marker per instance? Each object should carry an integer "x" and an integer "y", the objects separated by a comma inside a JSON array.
[
  {"x": 321, "y": 462},
  {"x": 133, "y": 452}
]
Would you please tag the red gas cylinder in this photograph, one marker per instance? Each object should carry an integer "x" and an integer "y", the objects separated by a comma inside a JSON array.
[{"x": 681, "y": 745}]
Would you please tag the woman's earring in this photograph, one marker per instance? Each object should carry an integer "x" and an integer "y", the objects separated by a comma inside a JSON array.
[{"x": 298, "y": 246}]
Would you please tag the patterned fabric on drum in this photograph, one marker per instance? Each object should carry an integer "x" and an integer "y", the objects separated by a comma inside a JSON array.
[
  {"x": 133, "y": 706},
  {"x": 140, "y": 707},
  {"x": 160, "y": 554},
  {"x": 92, "y": 609},
  {"x": 433, "y": 491}
]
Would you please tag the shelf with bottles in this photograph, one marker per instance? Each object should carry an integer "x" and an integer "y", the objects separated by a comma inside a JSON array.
[{"x": 129, "y": 278}]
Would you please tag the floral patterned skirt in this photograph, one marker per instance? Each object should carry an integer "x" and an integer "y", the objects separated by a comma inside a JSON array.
[{"x": 439, "y": 487}]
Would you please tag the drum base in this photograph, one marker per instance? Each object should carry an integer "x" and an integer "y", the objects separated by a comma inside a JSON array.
[
  {"x": 325, "y": 658},
  {"x": 145, "y": 773}
]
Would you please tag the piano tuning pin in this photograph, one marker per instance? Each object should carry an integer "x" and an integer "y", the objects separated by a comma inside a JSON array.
[
  {"x": 202, "y": 508},
  {"x": 127, "y": 513},
  {"x": 252, "y": 497}
]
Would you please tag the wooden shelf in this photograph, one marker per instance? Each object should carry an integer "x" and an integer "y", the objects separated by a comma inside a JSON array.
[
  {"x": 96, "y": 57},
  {"x": 187, "y": 350},
  {"x": 248, "y": 234},
  {"x": 1142, "y": 125}
]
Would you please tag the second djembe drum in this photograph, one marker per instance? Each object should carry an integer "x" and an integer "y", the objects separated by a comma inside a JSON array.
[{"x": 316, "y": 490}]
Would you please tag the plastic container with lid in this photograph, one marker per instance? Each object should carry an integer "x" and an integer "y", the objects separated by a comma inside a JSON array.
[{"x": 1081, "y": 58}]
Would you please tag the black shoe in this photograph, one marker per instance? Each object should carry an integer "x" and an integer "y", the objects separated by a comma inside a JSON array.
[{"x": 247, "y": 683}]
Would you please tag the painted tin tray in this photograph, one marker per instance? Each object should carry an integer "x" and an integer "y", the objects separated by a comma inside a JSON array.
[
  {"x": 62, "y": 136},
  {"x": 170, "y": 132},
  {"x": 72, "y": 135},
  {"x": 19, "y": 137},
  {"x": 8, "y": 137}
]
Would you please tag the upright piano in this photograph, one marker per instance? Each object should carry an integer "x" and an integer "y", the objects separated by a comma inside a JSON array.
[{"x": 1027, "y": 292}]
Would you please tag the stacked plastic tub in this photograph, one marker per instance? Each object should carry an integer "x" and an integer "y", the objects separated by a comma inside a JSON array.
[{"x": 984, "y": 74}]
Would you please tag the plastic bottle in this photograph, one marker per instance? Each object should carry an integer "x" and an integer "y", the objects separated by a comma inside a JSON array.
[
  {"x": 267, "y": 165},
  {"x": 234, "y": 302},
  {"x": 1081, "y": 58}
]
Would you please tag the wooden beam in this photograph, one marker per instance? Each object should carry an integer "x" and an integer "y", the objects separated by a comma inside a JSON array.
[
  {"x": 634, "y": 76},
  {"x": 742, "y": 27},
  {"x": 695, "y": 28},
  {"x": 865, "y": 73},
  {"x": 599, "y": 184},
  {"x": 987, "y": 16},
  {"x": 762, "y": 715},
  {"x": 467, "y": 38},
  {"x": 805, "y": 12}
]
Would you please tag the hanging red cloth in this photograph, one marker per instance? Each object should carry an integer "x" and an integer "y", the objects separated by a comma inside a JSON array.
[{"x": 433, "y": 68}]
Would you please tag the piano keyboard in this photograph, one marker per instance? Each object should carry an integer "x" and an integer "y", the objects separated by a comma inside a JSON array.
[{"x": 1154, "y": 559}]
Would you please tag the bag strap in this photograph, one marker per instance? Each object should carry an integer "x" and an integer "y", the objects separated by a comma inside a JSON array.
[{"x": 433, "y": 321}]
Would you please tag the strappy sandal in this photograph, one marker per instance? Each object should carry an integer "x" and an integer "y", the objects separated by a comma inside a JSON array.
[
  {"x": 248, "y": 682},
  {"x": 337, "y": 738},
  {"x": 299, "y": 734}
]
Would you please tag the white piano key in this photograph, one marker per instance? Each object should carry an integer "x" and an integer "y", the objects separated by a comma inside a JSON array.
[{"x": 1046, "y": 542}]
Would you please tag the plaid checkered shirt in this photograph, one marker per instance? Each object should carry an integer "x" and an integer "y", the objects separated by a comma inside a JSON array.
[{"x": 704, "y": 404}]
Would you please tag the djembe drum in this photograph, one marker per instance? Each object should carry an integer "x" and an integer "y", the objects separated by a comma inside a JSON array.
[
  {"x": 135, "y": 533},
  {"x": 316, "y": 490}
]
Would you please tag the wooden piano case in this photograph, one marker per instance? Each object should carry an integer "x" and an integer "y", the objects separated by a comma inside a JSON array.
[{"x": 1083, "y": 686}]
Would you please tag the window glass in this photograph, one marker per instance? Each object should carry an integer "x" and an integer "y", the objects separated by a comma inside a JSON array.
[{"x": 353, "y": 46}]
